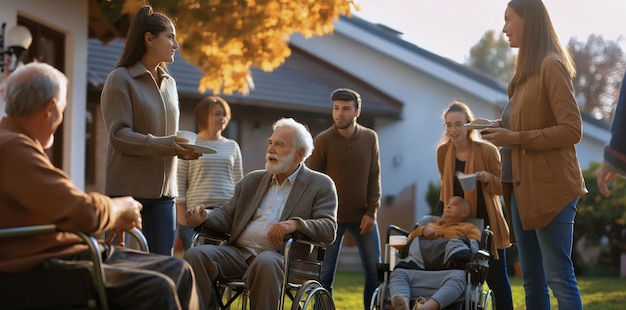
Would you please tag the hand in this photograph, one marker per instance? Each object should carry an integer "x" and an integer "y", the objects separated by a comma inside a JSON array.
[
  {"x": 126, "y": 213},
  {"x": 500, "y": 136},
  {"x": 279, "y": 230},
  {"x": 430, "y": 233},
  {"x": 184, "y": 152},
  {"x": 481, "y": 121},
  {"x": 367, "y": 224},
  {"x": 195, "y": 216},
  {"x": 604, "y": 177},
  {"x": 180, "y": 213},
  {"x": 483, "y": 176}
]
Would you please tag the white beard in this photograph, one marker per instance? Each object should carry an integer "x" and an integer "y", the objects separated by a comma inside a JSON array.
[{"x": 281, "y": 166}]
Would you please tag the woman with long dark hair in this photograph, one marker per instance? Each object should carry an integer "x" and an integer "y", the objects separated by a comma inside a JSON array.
[{"x": 140, "y": 109}]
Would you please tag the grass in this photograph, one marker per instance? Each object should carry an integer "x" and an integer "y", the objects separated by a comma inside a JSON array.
[{"x": 597, "y": 292}]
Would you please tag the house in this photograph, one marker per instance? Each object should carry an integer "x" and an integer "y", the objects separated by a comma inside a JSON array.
[{"x": 404, "y": 89}]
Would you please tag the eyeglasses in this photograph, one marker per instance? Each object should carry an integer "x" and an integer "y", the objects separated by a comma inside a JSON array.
[{"x": 456, "y": 125}]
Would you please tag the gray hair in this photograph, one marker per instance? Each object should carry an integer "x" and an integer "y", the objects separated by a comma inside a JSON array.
[
  {"x": 30, "y": 87},
  {"x": 303, "y": 139}
]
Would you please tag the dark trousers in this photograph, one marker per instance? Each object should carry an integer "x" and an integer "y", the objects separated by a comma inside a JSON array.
[{"x": 138, "y": 280}]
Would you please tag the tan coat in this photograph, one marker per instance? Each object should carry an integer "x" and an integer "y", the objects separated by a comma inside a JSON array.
[
  {"x": 546, "y": 172},
  {"x": 485, "y": 158}
]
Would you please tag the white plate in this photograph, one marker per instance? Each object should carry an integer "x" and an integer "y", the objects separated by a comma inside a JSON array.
[
  {"x": 200, "y": 148},
  {"x": 477, "y": 126}
]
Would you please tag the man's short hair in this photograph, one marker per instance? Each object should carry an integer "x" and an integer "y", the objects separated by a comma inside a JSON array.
[
  {"x": 347, "y": 94},
  {"x": 30, "y": 87}
]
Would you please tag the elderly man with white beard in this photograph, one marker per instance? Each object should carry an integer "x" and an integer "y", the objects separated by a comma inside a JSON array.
[{"x": 285, "y": 198}]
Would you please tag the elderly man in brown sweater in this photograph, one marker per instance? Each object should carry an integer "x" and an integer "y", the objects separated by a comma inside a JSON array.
[{"x": 34, "y": 192}]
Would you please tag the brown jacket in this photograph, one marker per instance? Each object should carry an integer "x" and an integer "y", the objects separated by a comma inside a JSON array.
[
  {"x": 485, "y": 158},
  {"x": 34, "y": 192},
  {"x": 546, "y": 172}
]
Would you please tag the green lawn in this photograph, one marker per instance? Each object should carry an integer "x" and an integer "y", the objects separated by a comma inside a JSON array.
[{"x": 597, "y": 292}]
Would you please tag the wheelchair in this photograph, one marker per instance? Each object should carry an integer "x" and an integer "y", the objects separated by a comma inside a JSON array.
[
  {"x": 301, "y": 286},
  {"x": 73, "y": 287},
  {"x": 476, "y": 297}
]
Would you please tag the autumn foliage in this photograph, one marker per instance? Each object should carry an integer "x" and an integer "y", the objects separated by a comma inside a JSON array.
[{"x": 226, "y": 38}]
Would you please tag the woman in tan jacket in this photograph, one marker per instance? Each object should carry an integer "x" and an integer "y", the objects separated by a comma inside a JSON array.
[
  {"x": 540, "y": 127},
  {"x": 460, "y": 152}
]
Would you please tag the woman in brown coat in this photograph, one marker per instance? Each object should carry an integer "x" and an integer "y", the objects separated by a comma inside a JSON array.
[
  {"x": 540, "y": 127},
  {"x": 459, "y": 152}
]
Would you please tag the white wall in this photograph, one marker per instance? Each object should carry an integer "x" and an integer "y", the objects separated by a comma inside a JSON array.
[{"x": 68, "y": 17}]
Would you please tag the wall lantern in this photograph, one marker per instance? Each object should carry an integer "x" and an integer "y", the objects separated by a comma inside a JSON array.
[{"x": 16, "y": 40}]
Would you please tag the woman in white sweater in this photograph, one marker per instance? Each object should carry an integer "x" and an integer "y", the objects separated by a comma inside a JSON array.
[{"x": 211, "y": 179}]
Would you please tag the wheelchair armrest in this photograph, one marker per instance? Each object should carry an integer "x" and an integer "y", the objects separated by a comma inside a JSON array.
[
  {"x": 213, "y": 236},
  {"x": 486, "y": 239},
  {"x": 393, "y": 228},
  {"x": 140, "y": 238},
  {"x": 27, "y": 231}
]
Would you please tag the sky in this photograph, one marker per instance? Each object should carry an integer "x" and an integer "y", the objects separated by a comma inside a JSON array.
[{"x": 449, "y": 28}]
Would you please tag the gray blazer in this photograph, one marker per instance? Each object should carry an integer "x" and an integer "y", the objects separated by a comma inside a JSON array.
[{"x": 312, "y": 202}]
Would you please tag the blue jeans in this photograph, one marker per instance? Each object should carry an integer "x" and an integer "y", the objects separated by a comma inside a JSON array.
[
  {"x": 184, "y": 233},
  {"x": 369, "y": 250},
  {"x": 545, "y": 256},
  {"x": 159, "y": 224},
  {"x": 498, "y": 281}
]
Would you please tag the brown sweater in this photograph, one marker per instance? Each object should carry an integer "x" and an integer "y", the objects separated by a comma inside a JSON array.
[
  {"x": 34, "y": 192},
  {"x": 546, "y": 173},
  {"x": 449, "y": 230},
  {"x": 354, "y": 165}
]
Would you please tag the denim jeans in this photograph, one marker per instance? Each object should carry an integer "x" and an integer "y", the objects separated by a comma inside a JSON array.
[
  {"x": 184, "y": 233},
  {"x": 369, "y": 250},
  {"x": 498, "y": 281},
  {"x": 545, "y": 256},
  {"x": 158, "y": 218}
]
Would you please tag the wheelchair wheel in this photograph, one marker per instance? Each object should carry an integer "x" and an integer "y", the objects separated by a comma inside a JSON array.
[
  {"x": 312, "y": 295},
  {"x": 378, "y": 298},
  {"x": 478, "y": 299},
  {"x": 487, "y": 302}
]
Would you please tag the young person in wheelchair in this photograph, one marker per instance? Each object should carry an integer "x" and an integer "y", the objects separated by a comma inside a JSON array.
[
  {"x": 285, "y": 198},
  {"x": 440, "y": 245}
]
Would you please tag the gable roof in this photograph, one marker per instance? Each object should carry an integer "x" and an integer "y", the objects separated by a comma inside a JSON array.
[
  {"x": 394, "y": 37},
  {"x": 389, "y": 42},
  {"x": 304, "y": 82}
]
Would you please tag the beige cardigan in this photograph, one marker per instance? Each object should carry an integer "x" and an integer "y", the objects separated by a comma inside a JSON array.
[{"x": 142, "y": 121}]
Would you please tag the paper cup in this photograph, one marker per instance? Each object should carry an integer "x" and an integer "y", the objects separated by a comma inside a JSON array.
[
  {"x": 189, "y": 135},
  {"x": 397, "y": 241},
  {"x": 468, "y": 181}
]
